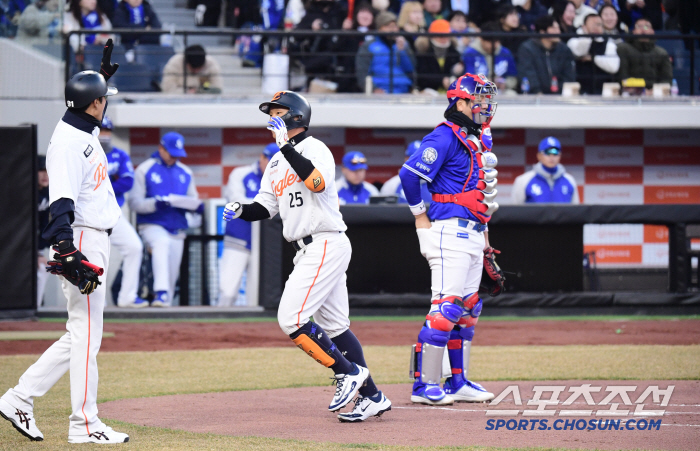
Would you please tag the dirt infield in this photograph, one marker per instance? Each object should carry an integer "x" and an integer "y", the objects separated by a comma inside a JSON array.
[
  {"x": 277, "y": 413},
  {"x": 194, "y": 335}
]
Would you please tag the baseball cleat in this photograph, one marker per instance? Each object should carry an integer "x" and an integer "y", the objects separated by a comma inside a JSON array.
[
  {"x": 347, "y": 386},
  {"x": 468, "y": 392},
  {"x": 161, "y": 299},
  {"x": 22, "y": 421},
  {"x": 431, "y": 395},
  {"x": 366, "y": 408},
  {"x": 105, "y": 436},
  {"x": 138, "y": 303}
]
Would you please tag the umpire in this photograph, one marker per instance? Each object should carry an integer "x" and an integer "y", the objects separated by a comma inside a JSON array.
[{"x": 83, "y": 211}]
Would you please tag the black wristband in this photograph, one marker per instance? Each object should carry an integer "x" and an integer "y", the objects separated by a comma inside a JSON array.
[
  {"x": 65, "y": 245},
  {"x": 301, "y": 165},
  {"x": 254, "y": 212}
]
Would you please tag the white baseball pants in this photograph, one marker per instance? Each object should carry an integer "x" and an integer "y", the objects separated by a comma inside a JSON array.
[
  {"x": 166, "y": 256},
  {"x": 455, "y": 255},
  {"x": 128, "y": 243},
  {"x": 316, "y": 287},
  {"x": 42, "y": 276},
  {"x": 77, "y": 350},
  {"x": 233, "y": 263}
]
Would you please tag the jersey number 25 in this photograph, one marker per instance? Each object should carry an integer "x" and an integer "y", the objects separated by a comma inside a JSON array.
[{"x": 295, "y": 197}]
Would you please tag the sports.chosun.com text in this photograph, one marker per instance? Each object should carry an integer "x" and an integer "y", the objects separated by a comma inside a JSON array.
[{"x": 573, "y": 425}]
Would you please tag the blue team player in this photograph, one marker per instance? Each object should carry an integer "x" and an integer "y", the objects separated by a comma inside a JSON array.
[
  {"x": 456, "y": 161},
  {"x": 243, "y": 185},
  {"x": 548, "y": 181},
  {"x": 393, "y": 187},
  {"x": 124, "y": 237},
  {"x": 352, "y": 188}
]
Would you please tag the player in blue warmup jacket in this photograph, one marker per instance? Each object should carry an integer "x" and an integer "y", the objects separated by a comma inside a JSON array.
[
  {"x": 456, "y": 161},
  {"x": 393, "y": 187},
  {"x": 548, "y": 181},
  {"x": 352, "y": 188},
  {"x": 243, "y": 185},
  {"x": 163, "y": 192},
  {"x": 124, "y": 237}
]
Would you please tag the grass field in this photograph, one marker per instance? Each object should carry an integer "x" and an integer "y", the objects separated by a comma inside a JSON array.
[{"x": 130, "y": 375}]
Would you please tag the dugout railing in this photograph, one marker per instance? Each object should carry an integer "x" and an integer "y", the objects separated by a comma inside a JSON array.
[{"x": 311, "y": 57}]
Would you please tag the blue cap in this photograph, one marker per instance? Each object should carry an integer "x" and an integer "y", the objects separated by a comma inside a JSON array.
[
  {"x": 355, "y": 161},
  {"x": 270, "y": 150},
  {"x": 174, "y": 143},
  {"x": 411, "y": 149},
  {"x": 550, "y": 145},
  {"x": 107, "y": 123}
]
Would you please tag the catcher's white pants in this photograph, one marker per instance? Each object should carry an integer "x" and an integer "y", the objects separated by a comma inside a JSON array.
[
  {"x": 77, "y": 349},
  {"x": 316, "y": 287},
  {"x": 455, "y": 255},
  {"x": 233, "y": 263},
  {"x": 128, "y": 243},
  {"x": 166, "y": 256}
]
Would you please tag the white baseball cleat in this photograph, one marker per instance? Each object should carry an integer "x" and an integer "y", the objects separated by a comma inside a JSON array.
[
  {"x": 347, "y": 386},
  {"x": 22, "y": 421},
  {"x": 472, "y": 392},
  {"x": 431, "y": 395},
  {"x": 105, "y": 436},
  {"x": 365, "y": 408}
]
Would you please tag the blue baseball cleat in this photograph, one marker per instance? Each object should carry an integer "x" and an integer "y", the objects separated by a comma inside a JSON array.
[{"x": 430, "y": 394}]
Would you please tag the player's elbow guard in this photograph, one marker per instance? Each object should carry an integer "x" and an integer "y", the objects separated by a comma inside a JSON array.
[{"x": 315, "y": 182}]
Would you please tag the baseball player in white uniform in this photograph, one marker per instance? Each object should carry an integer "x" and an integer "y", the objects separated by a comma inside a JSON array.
[
  {"x": 83, "y": 212},
  {"x": 243, "y": 185},
  {"x": 299, "y": 184}
]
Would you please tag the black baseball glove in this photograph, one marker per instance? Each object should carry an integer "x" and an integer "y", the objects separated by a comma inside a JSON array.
[
  {"x": 107, "y": 69},
  {"x": 69, "y": 263},
  {"x": 494, "y": 271}
]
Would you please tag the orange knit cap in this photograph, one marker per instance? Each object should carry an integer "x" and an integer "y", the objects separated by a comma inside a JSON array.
[{"x": 440, "y": 26}]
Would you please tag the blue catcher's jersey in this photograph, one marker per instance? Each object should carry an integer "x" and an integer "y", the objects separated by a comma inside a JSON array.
[
  {"x": 444, "y": 162},
  {"x": 243, "y": 185},
  {"x": 121, "y": 173}
]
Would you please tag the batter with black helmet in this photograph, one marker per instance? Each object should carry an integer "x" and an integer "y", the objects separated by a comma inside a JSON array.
[
  {"x": 83, "y": 210},
  {"x": 299, "y": 184}
]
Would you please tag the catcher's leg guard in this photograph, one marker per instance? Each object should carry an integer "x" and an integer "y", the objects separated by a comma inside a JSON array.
[{"x": 314, "y": 341}]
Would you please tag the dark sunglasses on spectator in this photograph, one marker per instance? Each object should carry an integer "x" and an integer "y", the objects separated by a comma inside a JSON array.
[{"x": 551, "y": 151}]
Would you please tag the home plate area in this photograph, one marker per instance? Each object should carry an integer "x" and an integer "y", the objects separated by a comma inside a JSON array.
[{"x": 302, "y": 414}]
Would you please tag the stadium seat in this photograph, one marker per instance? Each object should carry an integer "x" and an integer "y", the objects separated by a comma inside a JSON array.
[
  {"x": 93, "y": 56},
  {"x": 155, "y": 57},
  {"x": 133, "y": 77}
]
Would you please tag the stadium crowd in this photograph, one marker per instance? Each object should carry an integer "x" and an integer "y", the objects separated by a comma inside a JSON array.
[{"x": 403, "y": 64}]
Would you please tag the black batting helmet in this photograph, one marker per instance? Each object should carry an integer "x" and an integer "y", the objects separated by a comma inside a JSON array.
[
  {"x": 86, "y": 86},
  {"x": 299, "y": 114}
]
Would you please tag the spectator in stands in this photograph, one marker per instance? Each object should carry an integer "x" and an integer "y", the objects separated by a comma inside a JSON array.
[
  {"x": 393, "y": 187},
  {"x": 437, "y": 60},
  {"x": 411, "y": 17},
  {"x": 564, "y": 13},
  {"x": 459, "y": 23},
  {"x": 107, "y": 7},
  {"x": 43, "y": 221},
  {"x": 642, "y": 58},
  {"x": 548, "y": 181},
  {"x": 85, "y": 14},
  {"x": 137, "y": 14},
  {"x": 612, "y": 24},
  {"x": 163, "y": 192},
  {"x": 509, "y": 20},
  {"x": 10, "y": 11},
  {"x": 374, "y": 59},
  {"x": 582, "y": 10},
  {"x": 352, "y": 188},
  {"x": 381, "y": 5},
  {"x": 39, "y": 21},
  {"x": 634, "y": 10},
  {"x": 246, "y": 13},
  {"x": 203, "y": 73},
  {"x": 529, "y": 11},
  {"x": 547, "y": 63},
  {"x": 347, "y": 47},
  {"x": 434, "y": 10},
  {"x": 598, "y": 4},
  {"x": 487, "y": 56},
  {"x": 596, "y": 58}
]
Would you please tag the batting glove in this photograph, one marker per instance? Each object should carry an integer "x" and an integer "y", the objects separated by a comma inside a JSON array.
[
  {"x": 276, "y": 125},
  {"x": 232, "y": 211},
  {"x": 107, "y": 69}
]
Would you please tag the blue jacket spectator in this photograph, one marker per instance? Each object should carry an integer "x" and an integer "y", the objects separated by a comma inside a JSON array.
[
  {"x": 10, "y": 10},
  {"x": 375, "y": 59},
  {"x": 548, "y": 181},
  {"x": 137, "y": 14},
  {"x": 479, "y": 55},
  {"x": 352, "y": 188},
  {"x": 530, "y": 11}
]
